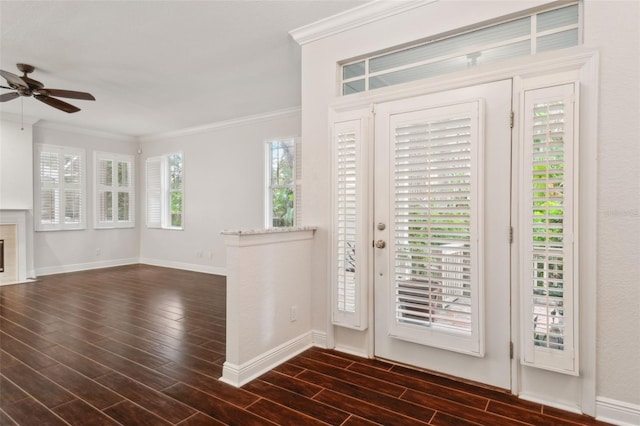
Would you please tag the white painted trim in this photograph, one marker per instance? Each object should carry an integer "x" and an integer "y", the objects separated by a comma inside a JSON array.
[
  {"x": 43, "y": 124},
  {"x": 223, "y": 124},
  {"x": 270, "y": 236},
  {"x": 28, "y": 280},
  {"x": 538, "y": 400},
  {"x": 319, "y": 339},
  {"x": 16, "y": 118},
  {"x": 206, "y": 269},
  {"x": 50, "y": 270},
  {"x": 617, "y": 412},
  {"x": 351, "y": 351},
  {"x": 238, "y": 375},
  {"x": 353, "y": 18}
]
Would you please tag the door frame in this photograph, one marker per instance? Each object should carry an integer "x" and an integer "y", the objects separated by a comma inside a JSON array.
[{"x": 584, "y": 63}]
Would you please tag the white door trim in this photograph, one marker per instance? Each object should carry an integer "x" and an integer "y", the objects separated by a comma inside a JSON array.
[{"x": 584, "y": 62}]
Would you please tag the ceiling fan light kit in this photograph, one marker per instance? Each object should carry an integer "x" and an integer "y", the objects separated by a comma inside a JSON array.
[{"x": 26, "y": 86}]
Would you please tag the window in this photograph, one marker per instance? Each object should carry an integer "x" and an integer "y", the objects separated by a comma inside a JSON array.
[
  {"x": 283, "y": 186},
  {"x": 114, "y": 182},
  {"x": 60, "y": 182},
  {"x": 165, "y": 191},
  {"x": 540, "y": 32}
]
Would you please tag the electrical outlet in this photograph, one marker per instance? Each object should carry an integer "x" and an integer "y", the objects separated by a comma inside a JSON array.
[
  {"x": 98, "y": 251},
  {"x": 293, "y": 313},
  {"x": 199, "y": 253}
]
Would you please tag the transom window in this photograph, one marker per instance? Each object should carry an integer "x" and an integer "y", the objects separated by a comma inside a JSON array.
[{"x": 539, "y": 32}]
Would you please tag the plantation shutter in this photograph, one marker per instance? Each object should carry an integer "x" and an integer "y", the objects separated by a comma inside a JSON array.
[
  {"x": 114, "y": 190},
  {"x": 549, "y": 266},
  {"x": 104, "y": 180},
  {"x": 49, "y": 178},
  {"x": 61, "y": 182},
  {"x": 124, "y": 173},
  {"x": 349, "y": 248},
  {"x": 154, "y": 192},
  {"x": 436, "y": 186}
]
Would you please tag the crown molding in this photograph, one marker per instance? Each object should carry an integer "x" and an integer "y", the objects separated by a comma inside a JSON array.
[
  {"x": 44, "y": 124},
  {"x": 16, "y": 118},
  {"x": 223, "y": 124},
  {"x": 353, "y": 18}
]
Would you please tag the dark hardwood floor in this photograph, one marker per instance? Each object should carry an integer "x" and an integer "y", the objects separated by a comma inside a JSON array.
[{"x": 142, "y": 345}]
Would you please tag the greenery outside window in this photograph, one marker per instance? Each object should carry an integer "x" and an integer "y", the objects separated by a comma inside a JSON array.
[
  {"x": 281, "y": 183},
  {"x": 165, "y": 191}
]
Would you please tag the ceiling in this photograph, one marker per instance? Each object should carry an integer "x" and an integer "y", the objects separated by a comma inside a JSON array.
[{"x": 159, "y": 66}]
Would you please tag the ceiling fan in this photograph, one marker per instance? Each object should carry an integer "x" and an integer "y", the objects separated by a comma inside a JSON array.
[{"x": 25, "y": 86}]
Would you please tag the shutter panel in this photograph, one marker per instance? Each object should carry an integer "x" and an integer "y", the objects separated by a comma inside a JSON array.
[
  {"x": 436, "y": 192},
  {"x": 49, "y": 179},
  {"x": 73, "y": 169},
  {"x": 349, "y": 263},
  {"x": 125, "y": 204},
  {"x": 154, "y": 192},
  {"x": 104, "y": 185},
  {"x": 549, "y": 273}
]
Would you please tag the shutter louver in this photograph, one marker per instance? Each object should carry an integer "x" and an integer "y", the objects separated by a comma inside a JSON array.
[
  {"x": 154, "y": 192},
  {"x": 435, "y": 182},
  {"x": 346, "y": 221},
  {"x": 349, "y": 253},
  {"x": 49, "y": 188},
  {"x": 549, "y": 316}
]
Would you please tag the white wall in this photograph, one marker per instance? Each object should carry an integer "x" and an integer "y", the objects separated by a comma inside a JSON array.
[
  {"x": 224, "y": 188},
  {"x": 614, "y": 27},
  {"x": 61, "y": 251},
  {"x": 610, "y": 26},
  {"x": 16, "y": 166}
]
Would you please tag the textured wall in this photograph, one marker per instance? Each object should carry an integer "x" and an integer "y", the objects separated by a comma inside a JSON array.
[{"x": 613, "y": 28}]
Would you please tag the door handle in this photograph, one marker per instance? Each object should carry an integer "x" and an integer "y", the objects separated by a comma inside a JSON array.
[{"x": 380, "y": 244}]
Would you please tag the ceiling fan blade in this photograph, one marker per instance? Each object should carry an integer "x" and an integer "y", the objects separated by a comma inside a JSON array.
[
  {"x": 13, "y": 79},
  {"x": 57, "y": 103},
  {"x": 67, "y": 94},
  {"x": 9, "y": 96}
]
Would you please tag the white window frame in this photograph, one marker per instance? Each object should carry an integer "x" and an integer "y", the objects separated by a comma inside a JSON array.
[
  {"x": 295, "y": 186},
  {"x": 114, "y": 188},
  {"x": 160, "y": 192},
  {"x": 60, "y": 187}
]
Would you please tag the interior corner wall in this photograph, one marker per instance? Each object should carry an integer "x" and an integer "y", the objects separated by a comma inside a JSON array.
[
  {"x": 63, "y": 251},
  {"x": 612, "y": 28},
  {"x": 223, "y": 189}
]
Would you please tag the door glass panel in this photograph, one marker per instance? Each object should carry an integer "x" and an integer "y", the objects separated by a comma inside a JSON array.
[{"x": 433, "y": 259}]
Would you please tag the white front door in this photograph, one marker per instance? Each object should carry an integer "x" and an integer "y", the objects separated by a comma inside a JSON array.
[{"x": 442, "y": 225}]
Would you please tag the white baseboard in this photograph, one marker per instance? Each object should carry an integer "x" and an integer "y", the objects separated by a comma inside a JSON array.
[
  {"x": 617, "y": 412},
  {"x": 319, "y": 339},
  {"x": 351, "y": 351},
  {"x": 238, "y": 375},
  {"x": 215, "y": 270},
  {"x": 85, "y": 266}
]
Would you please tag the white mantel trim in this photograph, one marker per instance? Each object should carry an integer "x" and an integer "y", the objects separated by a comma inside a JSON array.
[
  {"x": 18, "y": 218},
  {"x": 353, "y": 18}
]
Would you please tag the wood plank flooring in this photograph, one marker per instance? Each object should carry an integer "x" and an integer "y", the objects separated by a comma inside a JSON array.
[{"x": 142, "y": 345}]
